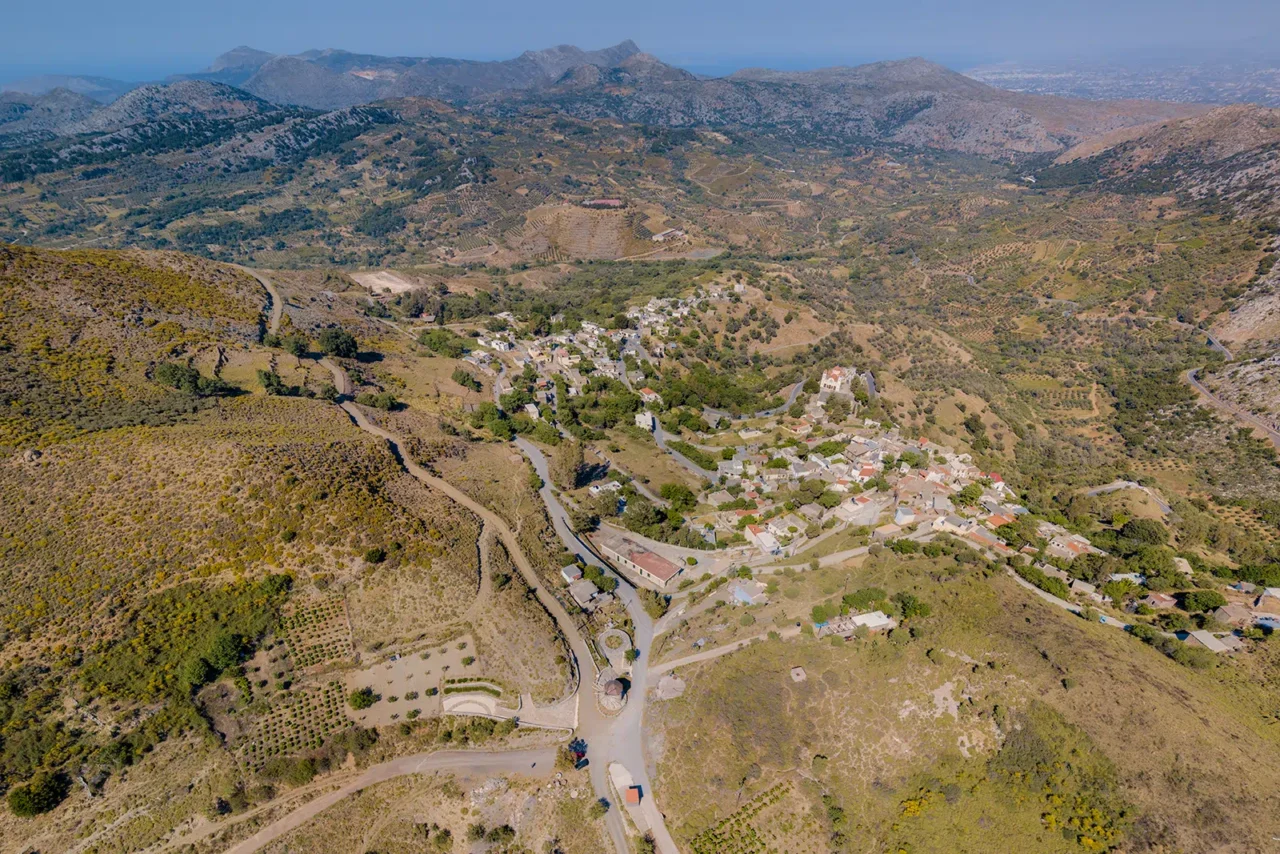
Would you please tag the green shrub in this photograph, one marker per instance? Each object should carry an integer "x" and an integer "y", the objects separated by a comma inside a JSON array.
[
  {"x": 864, "y": 597},
  {"x": 1203, "y": 600},
  {"x": 295, "y": 772},
  {"x": 655, "y": 604},
  {"x": 43, "y": 793},
  {"x": 1050, "y": 585},
  {"x": 363, "y": 698},
  {"x": 274, "y": 385},
  {"x": 693, "y": 455},
  {"x": 188, "y": 380},
  {"x": 911, "y": 606},
  {"x": 197, "y": 672},
  {"x": 464, "y": 378},
  {"x": 295, "y": 345},
  {"x": 443, "y": 342},
  {"x": 501, "y": 835},
  {"x": 336, "y": 342},
  {"x": 380, "y": 400},
  {"x": 1148, "y": 532}
]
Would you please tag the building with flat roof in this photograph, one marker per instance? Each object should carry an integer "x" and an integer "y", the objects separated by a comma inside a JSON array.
[{"x": 584, "y": 593}]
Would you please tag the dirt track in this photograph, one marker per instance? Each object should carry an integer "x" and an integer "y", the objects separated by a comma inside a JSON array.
[
  {"x": 277, "y": 302},
  {"x": 540, "y": 763}
]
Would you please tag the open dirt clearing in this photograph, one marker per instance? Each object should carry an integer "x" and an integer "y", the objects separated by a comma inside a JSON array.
[{"x": 384, "y": 280}]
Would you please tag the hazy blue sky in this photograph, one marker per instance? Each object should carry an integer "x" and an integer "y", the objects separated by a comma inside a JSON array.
[{"x": 146, "y": 38}]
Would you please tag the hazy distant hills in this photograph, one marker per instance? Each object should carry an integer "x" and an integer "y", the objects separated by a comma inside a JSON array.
[
  {"x": 34, "y": 117},
  {"x": 104, "y": 90},
  {"x": 1208, "y": 83},
  {"x": 911, "y": 102},
  {"x": 189, "y": 98},
  {"x": 160, "y": 109},
  {"x": 884, "y": 78},
  {"x": 330, "y": 79}
]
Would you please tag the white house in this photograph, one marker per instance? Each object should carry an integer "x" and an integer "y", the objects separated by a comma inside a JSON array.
[
  {"x": 763, "y": 540},
  {"x": 782, "y": 526},
  {"x": 834, "y": 380},
  {"x": 875, "y": 621},
  {"x": 730, "y": 468}
]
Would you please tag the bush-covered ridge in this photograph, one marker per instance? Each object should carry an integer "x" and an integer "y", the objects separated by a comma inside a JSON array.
[{"x": 78, "y": 330}]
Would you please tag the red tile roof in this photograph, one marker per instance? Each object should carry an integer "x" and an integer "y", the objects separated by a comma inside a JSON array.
[{"x": 656, "y": 565}]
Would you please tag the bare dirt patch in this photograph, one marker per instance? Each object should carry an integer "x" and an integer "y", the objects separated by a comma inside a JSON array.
[{"x": 382, "y": 281}]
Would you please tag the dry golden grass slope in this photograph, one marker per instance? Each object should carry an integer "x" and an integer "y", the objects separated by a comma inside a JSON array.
[
  {"x": 1002, "y": 720},
  {"x": 79, "y": 329},
  {"x": 254, "y": 486}
]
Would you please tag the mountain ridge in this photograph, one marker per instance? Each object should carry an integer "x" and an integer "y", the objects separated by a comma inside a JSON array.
[{"x": 910, "y": 101}]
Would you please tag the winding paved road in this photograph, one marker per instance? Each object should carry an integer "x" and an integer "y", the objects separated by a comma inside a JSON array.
[
  {"x": 609, "y": 739},
  {"x": 1063, "y": 603},
  {"x": 1239, "y": 413},
  {"x": 618, "y": 739},
  {"x": 661, "y": 438},
  {"x": 1269, "y": 429}
]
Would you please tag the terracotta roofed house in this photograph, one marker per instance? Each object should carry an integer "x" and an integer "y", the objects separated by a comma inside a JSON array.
[
  {"x": 1159, "y": 600},
  {"x": 632, "y": 556}
]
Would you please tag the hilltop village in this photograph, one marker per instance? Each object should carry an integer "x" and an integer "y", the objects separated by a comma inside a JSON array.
[{"x": 809, "y": 481}]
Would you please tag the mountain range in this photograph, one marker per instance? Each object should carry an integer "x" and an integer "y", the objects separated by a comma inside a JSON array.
[{"x": 912, "y": 102}]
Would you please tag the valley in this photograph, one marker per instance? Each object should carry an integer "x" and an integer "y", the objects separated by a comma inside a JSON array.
[{"x": 572, "y": 453}]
